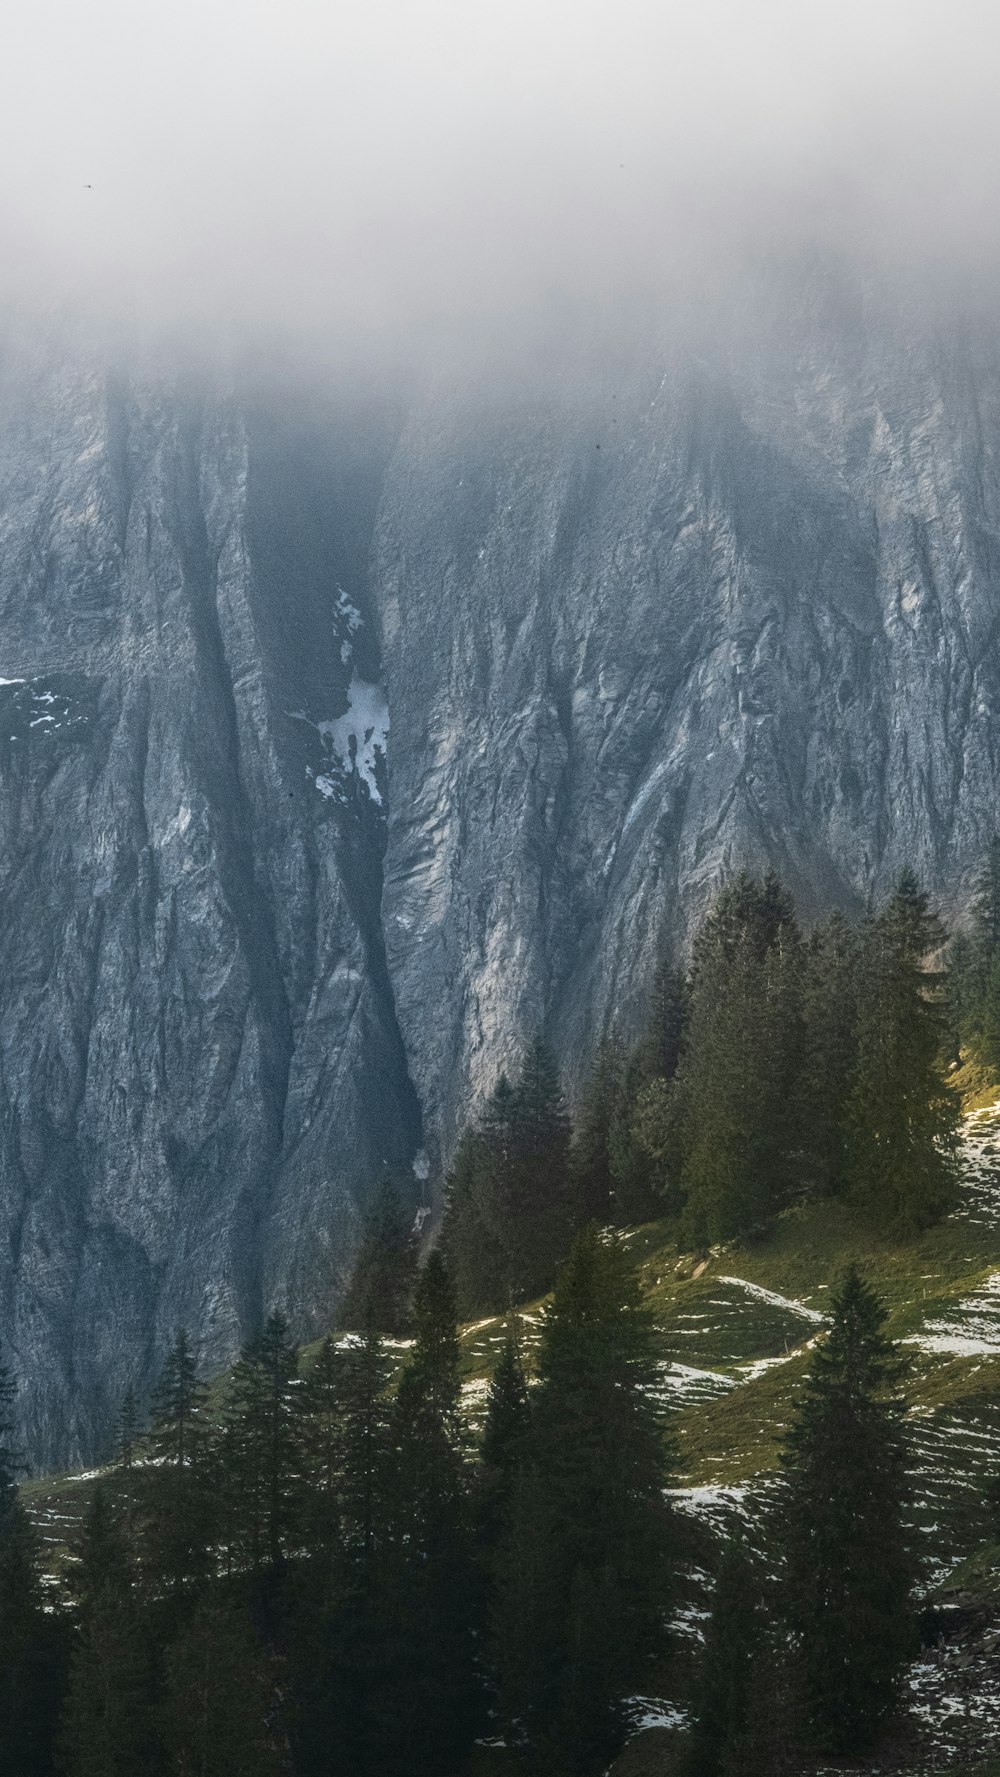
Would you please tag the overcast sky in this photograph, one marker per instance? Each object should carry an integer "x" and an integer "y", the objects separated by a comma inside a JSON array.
[{"x": 352, "y": 165}]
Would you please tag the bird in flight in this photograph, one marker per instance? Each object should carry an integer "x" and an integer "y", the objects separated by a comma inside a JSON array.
[{"x": 88, "y": 188}]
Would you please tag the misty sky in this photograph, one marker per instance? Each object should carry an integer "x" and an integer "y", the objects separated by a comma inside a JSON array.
[{"x": 363, "y": 165}]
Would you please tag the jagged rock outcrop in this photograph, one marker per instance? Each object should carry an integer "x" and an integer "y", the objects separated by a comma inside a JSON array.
[{"x": 721, "y": 604}]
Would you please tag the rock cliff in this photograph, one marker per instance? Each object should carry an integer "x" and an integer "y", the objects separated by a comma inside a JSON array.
[{"x": 345, "y": 743}]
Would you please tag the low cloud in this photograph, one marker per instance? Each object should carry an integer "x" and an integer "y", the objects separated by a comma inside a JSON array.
[{"x": 376, "y": 174}]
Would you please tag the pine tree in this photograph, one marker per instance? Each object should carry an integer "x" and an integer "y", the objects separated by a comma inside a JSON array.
[
  {"x": 541, "y": 1195},
  {"x": 850, "y": 1556},
  {"x": 478, "y": 1232},
  {"x": 504, "y": 1443},
  {"x": 319, "y": 1436},
  {"x": 599, "y": 1457},
  {"x": 177, "y": 1493},
  {"x": 831, "y": 988},
  {"x": 663, "y": 1039},
  {"x": 730, "y": 1671},
  {"x": 127, "y": 1430},
  {"x": 365, "y": 1449},
  {"x": 429, "y": 1565},
  {"x": 261, "y": 1447},
  {"x": 109, "y": 1727},
  {"x": 508, "y": 1212},
  {"x": 222, "y": 1705},
  {"x": 385, "y": 1270},
  {"x": 739, "y": 1107},
  {"x": 604, "y": 1105},
  {"x": 901, "y": 1115}
]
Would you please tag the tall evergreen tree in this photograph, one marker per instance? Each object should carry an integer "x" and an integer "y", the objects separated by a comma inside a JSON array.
[
  {"x": 109, "y": 1728},
  {"x": 177, "y": 1494},
  {"x": 478, "y": 1232},
  {"x": 722, "y": 1737},
  {"x": 505, "y": 1441},
  {"x": 221, "y": 1711},
  {"x": 902, "y": 1117},
  {"x": 663, "y": 1039},
  {"x": 508, "y": 1213},
  {"x": 603, "y": 1108},
  {"x": 385, "y": 1269},
  {"x": 429, "y": 1563},
  {"x": 261, "y": 1447},
  {"x": 739, "y": 1107},
  {"x": 831, "y": 988},
  {"x": 586, "y": 1564},
  {"x": 843, "y": 1513}
]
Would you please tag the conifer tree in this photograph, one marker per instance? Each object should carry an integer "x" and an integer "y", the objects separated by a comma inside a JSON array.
[
  {"x": 385, "y": 1269},
  {"x": 843, "y": 1515},
  {"x": 261, "y": 1447},
  {"x": 177, "y": 1493},
  {"x": 109, "y": 1727},
  {"x": 540, "y": 1207},
  {"x": 722, "y": 1734},
  {"x": 604, "y": 1106},
  {"x": 599, "y": 1464},
  {"x": 830, "y": 992},
  {"x": 429, "y": 1568},
  {"x": 505, "y": 1441},
  {"x": 662, "y": 1041},
  {"x": 365, "y": 1448},
  {"x": 222, "y": 1706},
  {"x": 739, "y": 1108},
  {"x": 508, "y": 1213},
  {"x": 478, "y": 1230},
  {"x": 319, "y": 1430},
  {"x": 901, "y": 1115}
]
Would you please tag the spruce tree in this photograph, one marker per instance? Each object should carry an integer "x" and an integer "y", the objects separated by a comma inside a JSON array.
[
  {"x": 261, "y": 1447},
  {"x": 222, "y": 1705},
  {"x": 429, "y": 1566},
  {"x": 504, "y": 1443},
  {"x": 365, "y": 1449},
  {"x": 843, "y": 1517},
  {"x": 902, "y": 1117},
  {"x": 722, "y": 1735},
  {"x": 478, "y": 1231},
  {"x": 319, "y": 1437},
  {"x": 599, "y": 1463},
  {"x": 603, "y": 1106},
  {"x": 177, "y": 1491},
  {"x": 109, "y": 1727},
  {"x": 384, "y": 1271},
  {"x": 508, "y": 1213},
  {"x": 739, "y": 1108},
  {"x": 831, "y": 988},
  {"x": 662, "y": 1041}
]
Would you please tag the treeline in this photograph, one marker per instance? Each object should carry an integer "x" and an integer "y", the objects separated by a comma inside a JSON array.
[
  {"x": 779, "y": 1066},
  {"x": 328, "y": 1574},
  {"x": 325, "y": 1573}
]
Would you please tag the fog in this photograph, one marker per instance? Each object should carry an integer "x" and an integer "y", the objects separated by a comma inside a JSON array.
[{"x": 373, "y": 172}]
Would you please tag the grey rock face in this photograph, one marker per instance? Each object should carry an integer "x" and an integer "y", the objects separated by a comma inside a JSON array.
[
  {"x": 726, "y": 610},
  {"x": 201, "y": 1070},
  {"x": 633, "y": 630}
]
